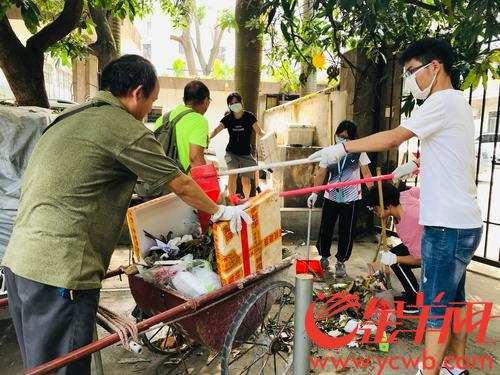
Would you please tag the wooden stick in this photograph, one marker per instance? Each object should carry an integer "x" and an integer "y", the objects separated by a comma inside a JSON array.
[{"x": 383, "y": 234}]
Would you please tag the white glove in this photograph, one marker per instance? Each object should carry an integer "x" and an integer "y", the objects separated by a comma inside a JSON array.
[
  {"x": 233, "y": 214},
  {"x": 388, "y": 258},
  {"x": 311, "y": 201},
  {"x": 329, "y": 155},
  {"x": 405, "y": 171}
]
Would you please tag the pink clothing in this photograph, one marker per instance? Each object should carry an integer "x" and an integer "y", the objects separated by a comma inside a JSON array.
[{"x": 408, "y": 228}]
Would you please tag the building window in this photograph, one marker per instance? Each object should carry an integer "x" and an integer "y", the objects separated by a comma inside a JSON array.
[
  {"x": 492, "y": 121},
  {"x": 146, "y": 48}
]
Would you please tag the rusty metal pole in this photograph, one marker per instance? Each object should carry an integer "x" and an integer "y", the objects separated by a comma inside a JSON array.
[
  {"x": 99, "y": 369},
  {"x": 301, "y": 341}
]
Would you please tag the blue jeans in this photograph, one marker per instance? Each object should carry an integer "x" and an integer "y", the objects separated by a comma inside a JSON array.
[{"x": 446, "y": 252}]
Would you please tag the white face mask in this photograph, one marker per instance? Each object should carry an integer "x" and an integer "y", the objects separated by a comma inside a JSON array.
[
  {"x": 411, "y": 84},
  {"x": 236, "y": 107},
  {"x": 340, "y": 139}
]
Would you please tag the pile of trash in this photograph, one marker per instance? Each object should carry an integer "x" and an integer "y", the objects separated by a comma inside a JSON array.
[
  {"x": 352, "y": 318},
  {"x": 183, "y": 263}
]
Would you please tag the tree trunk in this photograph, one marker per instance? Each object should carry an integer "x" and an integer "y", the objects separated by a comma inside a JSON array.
[
  {"x": 310, "y": 85},
  {"x": 199, "y": 49},
  {"x": 248, "y": 54},
  {"x": 24, "y": 72},
  {"x": 185, "y": 40},
  {"x": 104, "y": 48},
  {"x": 23, "y": 66},
  {"x": 214, "y": 51}
]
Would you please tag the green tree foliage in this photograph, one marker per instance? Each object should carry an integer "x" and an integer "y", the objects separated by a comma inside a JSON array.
[
  {"x": 222, "y": 70},
  {"x": 178, "y": 66},
  {"x": 59, "y": 27},
  {"x": 384, "y": 27}
]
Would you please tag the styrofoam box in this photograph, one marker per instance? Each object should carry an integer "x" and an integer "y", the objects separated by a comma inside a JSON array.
[
  {"x": 159, "y": 216},
  {"x": 269, "y": 148},
  {"x": 299, "y": 134}
]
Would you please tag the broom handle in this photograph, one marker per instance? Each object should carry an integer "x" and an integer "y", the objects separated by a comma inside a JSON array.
[
  {"x": 280, "y": 164},
  {"x": 383, "y": 234},
  {"x": 315, "y": 189}
]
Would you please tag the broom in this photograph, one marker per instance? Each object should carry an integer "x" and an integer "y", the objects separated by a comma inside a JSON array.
[{"x": 383, "y": 234}]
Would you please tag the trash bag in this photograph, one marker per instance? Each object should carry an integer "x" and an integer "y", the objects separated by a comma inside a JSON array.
[
  {"x": 209, "y": 279},
  {"x": 160, "y": 275},
  {"x": 188, "y": 284}
]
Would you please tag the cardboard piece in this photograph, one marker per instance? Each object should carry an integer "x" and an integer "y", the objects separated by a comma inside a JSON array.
[
  {"x": 257, "y": 246},
  {"x": 159, "y": 216}
]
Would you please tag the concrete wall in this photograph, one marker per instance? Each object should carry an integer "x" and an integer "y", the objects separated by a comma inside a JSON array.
[
  {"x": 85, "y": 83},
  {"x": 324, "y": 109}
]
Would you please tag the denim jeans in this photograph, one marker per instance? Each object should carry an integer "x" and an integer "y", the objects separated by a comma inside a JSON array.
[{"x": 446, "y": 252}]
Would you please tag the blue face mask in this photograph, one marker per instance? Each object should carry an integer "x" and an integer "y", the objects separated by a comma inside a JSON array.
[{"x": 340, "y": 139}]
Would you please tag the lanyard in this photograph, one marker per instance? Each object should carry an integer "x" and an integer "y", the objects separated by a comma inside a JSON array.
[
  {"x": 338, "y": 191},
  {"x": 341, "y": 169}
]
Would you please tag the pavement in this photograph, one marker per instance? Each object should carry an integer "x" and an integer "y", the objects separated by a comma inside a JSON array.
[{"x": 482, "y": 286}]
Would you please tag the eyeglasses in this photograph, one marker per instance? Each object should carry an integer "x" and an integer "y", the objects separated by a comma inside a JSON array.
[{"x": 415, "y": 70}]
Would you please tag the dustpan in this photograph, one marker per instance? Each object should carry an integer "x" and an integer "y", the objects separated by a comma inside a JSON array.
[{"x": 312, "y": 266}]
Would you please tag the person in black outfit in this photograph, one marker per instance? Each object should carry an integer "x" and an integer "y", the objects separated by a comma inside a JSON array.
[
  {"x": 342, "y": 203},
  {"x": 239, "y": 123}
]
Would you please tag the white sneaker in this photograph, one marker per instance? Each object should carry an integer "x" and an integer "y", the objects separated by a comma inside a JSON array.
[
  {"x": 3, "y": 287},
  {"x": 443, "y": 371}
]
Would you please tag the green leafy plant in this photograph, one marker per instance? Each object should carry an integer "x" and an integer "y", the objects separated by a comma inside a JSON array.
[{"x": 178, "y": 66}]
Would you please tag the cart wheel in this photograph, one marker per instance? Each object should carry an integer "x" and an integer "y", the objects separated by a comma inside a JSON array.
[
  {"x": 162, "y": 338},
  {"x": 260, "y": 338}
]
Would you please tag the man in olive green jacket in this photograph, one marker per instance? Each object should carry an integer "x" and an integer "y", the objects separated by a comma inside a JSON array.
[{"x": 76, "y": 190}]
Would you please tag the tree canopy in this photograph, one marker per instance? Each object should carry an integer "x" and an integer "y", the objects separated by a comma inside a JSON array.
[{"x": 382, "y": 28}]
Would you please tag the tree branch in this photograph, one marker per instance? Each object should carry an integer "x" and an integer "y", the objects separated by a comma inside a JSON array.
[
  {"x": 432, "y": 8},
  {"x": 9, "y": 42},
  {"x": 105, "y": 47},
  {"x": 199, "y": 49},
  {"x": 59, "y": 28},
  {"x": 214, "y": 51}
]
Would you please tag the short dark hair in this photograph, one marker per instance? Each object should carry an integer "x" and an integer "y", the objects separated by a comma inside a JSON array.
[
  {"x": 234, "y": 95},
  {"x": 349, "y": 127},
  {"x": 128, "y": 72},
  {"x": 390, "y": 193},
  {"x": 428, "y": 49},
  {"x": 195, "y": 92}
]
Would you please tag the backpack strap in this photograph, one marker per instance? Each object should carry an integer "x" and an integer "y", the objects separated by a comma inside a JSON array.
[
  {"x": 177, "y": 118},
  {"x": 63, "y": 116}
]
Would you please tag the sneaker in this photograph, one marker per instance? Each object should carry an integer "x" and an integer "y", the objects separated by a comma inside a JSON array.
[
  {"x": 452, "y": 371},
  {"x": 340, "y": 269},
  {"x": 324, "y": 263},
  {"x": 410, "y": 308},
  {"x": 3, "y": 287},
  {"x": 443, "y": 370}
]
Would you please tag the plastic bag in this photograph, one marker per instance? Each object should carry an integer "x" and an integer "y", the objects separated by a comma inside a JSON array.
[
  {"x": 188, "y": 284},
  {"x": 209, "y": 279},
  {"x": 159, "y": 275}
]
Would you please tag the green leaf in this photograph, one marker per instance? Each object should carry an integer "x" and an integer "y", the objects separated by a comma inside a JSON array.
[{"x": 471, "y": 81}]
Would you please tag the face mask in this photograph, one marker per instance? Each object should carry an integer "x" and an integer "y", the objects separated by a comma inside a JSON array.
[
  {"x": 411, "y": 84},
  {"x": 340, "y": 139},
  {"x": 236, "y": 107}
]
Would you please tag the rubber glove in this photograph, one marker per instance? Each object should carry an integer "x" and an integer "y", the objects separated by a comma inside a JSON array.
[
  {"x": 329, "y": 155},
  {"x": 405, "y": 171},
  {"x": 233, "y": 214},
  {"x": 311, "y": 201},
  {"x": 388, "y": 258}
]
